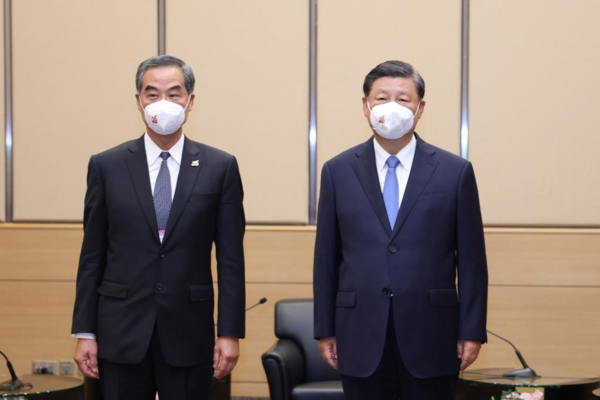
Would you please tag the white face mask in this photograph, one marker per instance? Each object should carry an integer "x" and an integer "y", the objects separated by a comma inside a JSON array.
[
  {"x": 391, "y": 120},
  {"x": 165, "y": 117}
]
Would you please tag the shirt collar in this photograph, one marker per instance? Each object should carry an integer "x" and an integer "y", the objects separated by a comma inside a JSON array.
[
  {"x": 153, "y": 151},
  {"x": 406, "y": 155}
]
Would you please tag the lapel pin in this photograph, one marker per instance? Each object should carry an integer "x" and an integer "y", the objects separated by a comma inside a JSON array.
[{"x": 195, "y": 163}]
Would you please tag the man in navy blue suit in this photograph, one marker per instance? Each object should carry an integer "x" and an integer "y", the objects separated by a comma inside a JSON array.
[{"x": 400, "y": 274}]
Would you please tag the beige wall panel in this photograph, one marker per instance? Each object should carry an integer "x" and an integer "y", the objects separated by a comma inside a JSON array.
[
  {"x": 51, "y": 252},
  {"x": 534, "y": 102},
  {"x": 356, "y": 36},
  {"x": 278, "y": 255},
  {"x": 40, "y": 253},
  {"x": 285, "y": 254},
  {"x": 553, "y": 327},
  {"x": 249, "y": 389},
  {"x": 74, "y": 68},
  {"x": 560, "y": 259},
  {"x": 39, "y": 327},
  {"x": 251, "y": 64}
]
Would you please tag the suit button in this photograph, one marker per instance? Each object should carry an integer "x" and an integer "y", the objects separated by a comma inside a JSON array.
[
  {"x": 162, "y": 255},
  {"x": 385, "y": 291},
  {"x": 393, "y": 249},
  {"x": 158, "y": 286}
]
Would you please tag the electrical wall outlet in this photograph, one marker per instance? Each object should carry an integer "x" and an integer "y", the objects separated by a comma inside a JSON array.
[
  {"x": 45, "y": 367},
  {"x": 66, "y": 367}
]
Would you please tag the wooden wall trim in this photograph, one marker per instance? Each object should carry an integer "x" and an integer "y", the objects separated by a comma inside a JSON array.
[
  {"x": 79, "y": 226},
  {"x": 307, "y": 228}
]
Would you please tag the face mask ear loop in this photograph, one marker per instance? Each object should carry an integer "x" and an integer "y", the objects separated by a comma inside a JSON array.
[
  {"x": 369, "y": 106},
  {"x": 140, "y": 101},
  {"x": 416, "y": 112},
  {"x": 188, "y": 103}
]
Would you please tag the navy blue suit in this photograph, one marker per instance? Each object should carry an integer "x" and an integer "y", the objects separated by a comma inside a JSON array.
[{"x": 362, "y": 265}]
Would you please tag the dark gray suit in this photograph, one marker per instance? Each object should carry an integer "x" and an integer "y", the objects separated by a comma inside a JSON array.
[{"x": 128, "y": 283}]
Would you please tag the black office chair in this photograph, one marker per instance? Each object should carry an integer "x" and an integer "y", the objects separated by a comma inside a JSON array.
[{"x": 294, "y": 366}]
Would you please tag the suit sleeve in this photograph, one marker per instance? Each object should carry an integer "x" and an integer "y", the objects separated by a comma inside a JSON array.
[
  {"x": 92, "y": 260},
  {"x": 471, "y": 260},
  {"x": 327, "y": 259},
  {"x": 229, "y": 241}
]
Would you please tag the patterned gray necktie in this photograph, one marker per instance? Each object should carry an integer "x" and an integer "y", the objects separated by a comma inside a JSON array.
[{"x": 162, "y": 195}]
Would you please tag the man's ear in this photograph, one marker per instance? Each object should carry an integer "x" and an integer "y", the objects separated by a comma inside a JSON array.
[
  {"x": 421, "y": 108},
  {"x": 139, "y": 104},
  {"x": 191, "y": 103},
  {"x": 366, "y": 111}
]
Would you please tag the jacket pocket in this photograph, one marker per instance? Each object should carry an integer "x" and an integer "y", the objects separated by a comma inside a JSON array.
[
  {"x": 443, "y": 297},
  {"x": 202, "y": 293},
  {"x": 195, "y": 197},
  {"x": 345, "y": 299},
  {"x": 112, "y": 289}
]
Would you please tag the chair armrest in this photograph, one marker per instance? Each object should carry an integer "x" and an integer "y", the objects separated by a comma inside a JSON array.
[{"x": 284, "y": 366}]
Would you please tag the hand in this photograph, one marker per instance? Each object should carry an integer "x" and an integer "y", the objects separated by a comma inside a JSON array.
[
  {"x": 328, "y": 347},
  {"x": 225, "y": 355},
  {"x": 86, "y": 357},
  {"x": 468, "y": 351}
]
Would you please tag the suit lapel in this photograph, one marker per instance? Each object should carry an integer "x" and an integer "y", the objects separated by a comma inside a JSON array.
[
  {"x": 366, "y": 170},
  {"x": 420, "y": 173},
  {"x": 185, "y": 183},
  {"x": 137, "y": 163}
]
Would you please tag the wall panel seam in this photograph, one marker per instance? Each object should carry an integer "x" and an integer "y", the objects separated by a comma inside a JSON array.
[
  {"x": 162, "y": 27},
  {"x": 515, "y": 285},
  {"x": 8, "y": 111},
  {"x": 464, "y": 84},
  {"x": 312, "y": 111}
]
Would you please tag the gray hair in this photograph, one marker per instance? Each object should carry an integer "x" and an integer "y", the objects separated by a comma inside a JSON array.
[
  {"x": 394, "y": 69},
  {"x": 165, "y": 61}
]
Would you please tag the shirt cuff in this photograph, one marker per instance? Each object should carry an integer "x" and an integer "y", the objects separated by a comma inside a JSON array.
[{"x": 84, "y": 336}]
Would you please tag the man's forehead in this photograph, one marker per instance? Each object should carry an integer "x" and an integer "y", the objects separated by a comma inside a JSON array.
[
  {"x": 164, "y": 75},
  {"x": 396, "y": 84}
]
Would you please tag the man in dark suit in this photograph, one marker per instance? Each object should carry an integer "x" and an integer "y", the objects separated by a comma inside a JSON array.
[
  {"x": 154, "y": 207},
  {"x": 399, "y": 221}
]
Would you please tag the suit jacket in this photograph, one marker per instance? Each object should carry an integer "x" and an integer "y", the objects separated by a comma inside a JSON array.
[
  {"x": 128, "y": 281},
  {"x": 360, "y": 262}
]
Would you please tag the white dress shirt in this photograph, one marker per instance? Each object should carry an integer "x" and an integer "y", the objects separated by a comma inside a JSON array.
[
  {"x": 154, "y": 161},
  {"x": 406, "y": 157}
]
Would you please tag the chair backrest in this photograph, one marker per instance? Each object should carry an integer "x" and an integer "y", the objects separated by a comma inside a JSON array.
[{"x": 294, "y": 321}]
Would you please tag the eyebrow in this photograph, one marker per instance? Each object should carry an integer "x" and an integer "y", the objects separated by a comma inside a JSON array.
[
  {"x": 384, "y": 91},
  {"x": 150, "y": 87}
]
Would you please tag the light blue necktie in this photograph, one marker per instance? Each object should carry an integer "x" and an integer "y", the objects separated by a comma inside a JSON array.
[
  {"x": 391, "y": 192},
  {"x": 162, "y": 195}
]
